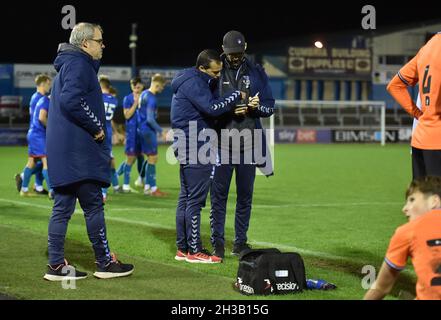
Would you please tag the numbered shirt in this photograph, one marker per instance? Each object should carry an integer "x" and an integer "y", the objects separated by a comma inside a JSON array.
[
  {"x": 420, "y": 240},
  {"x": 425, "y": 69},
  {"x": 110, "y": 105}
]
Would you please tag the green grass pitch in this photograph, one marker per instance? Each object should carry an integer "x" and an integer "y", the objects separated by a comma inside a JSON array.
[{"x": 337, "y": 205}]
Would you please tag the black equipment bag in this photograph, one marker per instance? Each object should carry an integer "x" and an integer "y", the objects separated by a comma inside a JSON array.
[{"x": 268, "y": 271}]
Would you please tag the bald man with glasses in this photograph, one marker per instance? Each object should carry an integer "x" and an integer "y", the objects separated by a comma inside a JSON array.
[{"x": 76, "y": 151}]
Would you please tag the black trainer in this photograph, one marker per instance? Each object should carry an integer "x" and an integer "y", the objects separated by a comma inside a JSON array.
[
  {"x": 114, "y": 269},
  {"x": 238, "y": 248},
  {"x": 63, "y": 271},
  {"x": 18, "y": 181},
  {"x": 219, "y": 251},
  {"x": 43, "y": 192}
]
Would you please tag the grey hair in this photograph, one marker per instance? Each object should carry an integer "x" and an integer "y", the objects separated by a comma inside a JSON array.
[{"x": 83, "y": 31}]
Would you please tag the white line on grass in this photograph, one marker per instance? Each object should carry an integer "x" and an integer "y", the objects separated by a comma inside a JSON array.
[
  {"x": 160, "y": 226},
  {"x": 137, "y": 209},
  {"x": 310, "y": 205},
  {"x": 313, "y": 253},
  {"x": 174, "y": 264}
]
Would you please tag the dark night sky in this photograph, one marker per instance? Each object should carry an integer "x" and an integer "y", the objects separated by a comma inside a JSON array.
[{"x": 173, "y": 34}]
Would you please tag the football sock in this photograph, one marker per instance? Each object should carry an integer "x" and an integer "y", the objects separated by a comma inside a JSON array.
[
  {"x": 121, "y": 168},
  {"x": 27, "y": 172},
  {"x": 46, "y": 177},
  {"x": 114, "y": 177},
  {"x": 127, "y": 169},
  {"x": 151, "y": 175}
]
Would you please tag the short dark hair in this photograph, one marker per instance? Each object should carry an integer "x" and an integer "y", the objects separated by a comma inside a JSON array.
[
  {"x": 105, "y": 81},
  {"x": 429, "y": 185},
  {"x": 206, "y": 57},
  {"x": 113, "y": 91},
  {"x": 135, "y": 81}
]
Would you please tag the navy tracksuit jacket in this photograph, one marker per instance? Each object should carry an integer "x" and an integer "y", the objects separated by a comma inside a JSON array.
[
  {"x": 193, "y": 103},
  {"x": 252, "y": 79},
  {"x": 78, "y": 165}
]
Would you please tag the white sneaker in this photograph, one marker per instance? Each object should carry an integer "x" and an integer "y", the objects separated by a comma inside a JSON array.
[
  {"x": 126, "y": 188},
  {"x": 139, "y": 182}
]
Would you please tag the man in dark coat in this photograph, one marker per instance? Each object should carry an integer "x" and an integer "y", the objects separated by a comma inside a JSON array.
[
  {"x": 241, "y": 156},
  {"x": 78, "y": 157}
]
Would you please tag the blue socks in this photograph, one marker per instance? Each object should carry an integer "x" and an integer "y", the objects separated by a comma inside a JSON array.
[
  {"x": 121, "y": 168},
  {"x": 38, "y": 174},
  {"x": 150, "y": 175},
  {"x": 27, "y": 172},
  {"x": 127, "y": 169},
  {"x": 114, "y": 177},
  {"x": 46, "y": 177}
]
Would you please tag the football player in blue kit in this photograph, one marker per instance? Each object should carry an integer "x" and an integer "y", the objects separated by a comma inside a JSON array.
[
  {"x": 37, "y": 138},
  {"x": 34, "y": 165},
  {"x": 133, "y": 142},
  {"x": 148, "y": 130},
  {"x": 110, "y": 105}
]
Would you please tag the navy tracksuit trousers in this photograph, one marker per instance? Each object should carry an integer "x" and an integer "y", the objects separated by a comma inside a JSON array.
[
  {"x": 91, "y": 201},
  {"x": 195, "y": 184},
  {"x": 245, "y": 176}
]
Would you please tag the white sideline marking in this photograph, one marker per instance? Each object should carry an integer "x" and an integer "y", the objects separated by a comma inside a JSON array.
[
  {"x": 41, "y": 206},
  {"x": 173, "y": 265},
  {"x": 310, "y": 205},
  {"x": 303, "y": 251},
  {"x": 137, "y": 209},
  {"x": 258, "y": 243}
]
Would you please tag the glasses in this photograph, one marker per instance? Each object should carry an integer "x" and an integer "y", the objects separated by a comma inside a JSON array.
[{"x": 100, "y": 41}]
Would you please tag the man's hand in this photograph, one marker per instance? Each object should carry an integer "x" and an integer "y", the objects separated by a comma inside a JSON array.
[
  {"x": 136, "y": 99},
  {"x": 241, "y": 111},
  {"x": 254, "y": 102},
  {"x": 164, "y": 135},
  {"x": 99, "y": 137}
]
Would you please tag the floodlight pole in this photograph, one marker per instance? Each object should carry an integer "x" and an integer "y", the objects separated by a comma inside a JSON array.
[{"x": 133, "y": 39}]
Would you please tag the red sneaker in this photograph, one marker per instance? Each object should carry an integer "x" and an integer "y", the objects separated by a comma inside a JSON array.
[
  {"x": 158, "y": 193},
  {"x": 201, "y": 257},
  {"x": 180, "y": 255}
]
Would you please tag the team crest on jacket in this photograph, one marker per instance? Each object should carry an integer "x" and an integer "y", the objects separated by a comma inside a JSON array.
[{"x": 246, "y": 81}]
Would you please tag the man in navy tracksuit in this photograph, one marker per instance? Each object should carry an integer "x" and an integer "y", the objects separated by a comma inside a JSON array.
[
  {"x": 78, "y": 158},
  {"x": 240, "y": 73},
  {"x": 192, "y": 111}
]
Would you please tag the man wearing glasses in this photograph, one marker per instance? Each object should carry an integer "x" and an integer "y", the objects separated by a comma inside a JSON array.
[
  {"x": 239, "y": 73},
  {"x": 79, "y": 159}
]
